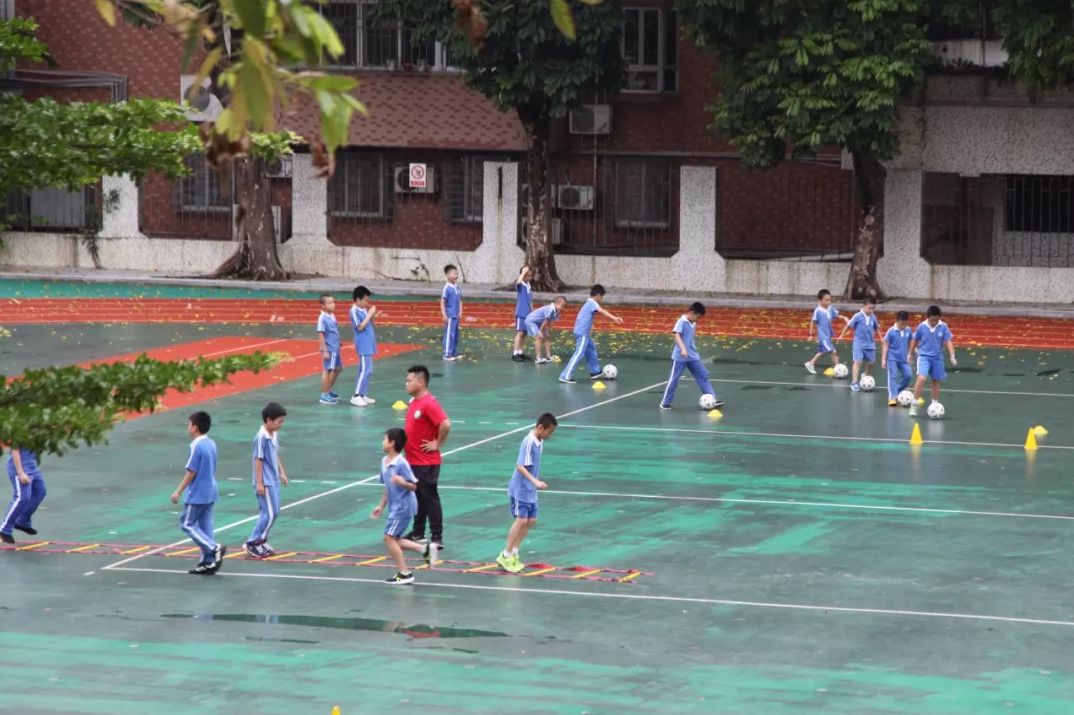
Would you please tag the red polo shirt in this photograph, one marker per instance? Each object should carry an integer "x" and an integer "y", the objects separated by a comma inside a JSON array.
[{"x": 423, "y": 418}]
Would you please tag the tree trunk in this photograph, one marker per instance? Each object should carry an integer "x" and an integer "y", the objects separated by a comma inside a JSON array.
[
  {"x": 256, "y": 259},
  {"x": 869, "y": 173},
  {"x": 539, "y": 255}
]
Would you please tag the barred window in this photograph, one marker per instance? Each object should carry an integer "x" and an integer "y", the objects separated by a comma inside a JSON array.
[
  {"x": 466, "y": 188},
  {"x": 642, "y": 192},
  {"x": 358, "y": 187},
  {"x": 650, "y": 48},
  {"x": 378, "y": 45},
  {"x": 1039, "y": 204},
  {"x": 204, "y": 189}
]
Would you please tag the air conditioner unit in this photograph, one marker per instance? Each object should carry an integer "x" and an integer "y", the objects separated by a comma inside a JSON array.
[
  {"x": 281, "y": 168},
  {"x": 204, "y": 105},
  {"x": 591, "y": 119},
  {"x": 402, "y": 181},
  {"x": 575, "y": 198},
  {"x": 557, "y": 231}
]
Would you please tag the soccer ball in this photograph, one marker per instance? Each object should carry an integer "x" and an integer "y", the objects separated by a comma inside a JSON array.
[
  {"x": 935, "y": 411},
  {"x": 610, "y": 372},
  {"x": 867, "y": 383},
  {"x": 840, "y": 371},
  {"x": 905, "y": 398},
  {"x": 707, "y": 402}
]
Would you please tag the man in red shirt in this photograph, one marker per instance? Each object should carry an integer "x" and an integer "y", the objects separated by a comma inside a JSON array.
[{"x": 427, "y": 428}]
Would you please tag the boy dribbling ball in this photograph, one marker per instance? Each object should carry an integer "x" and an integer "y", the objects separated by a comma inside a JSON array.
[
  {"x": 523, "y": 491},
  {"x": 400, "y": 484}
]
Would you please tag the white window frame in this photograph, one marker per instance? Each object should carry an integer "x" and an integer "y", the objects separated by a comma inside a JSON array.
[
  {"x": 661, "y": 67},
  {"x": 646, "y": 164},
  {"x": 359, "y": 30},
  {"x": 342, "y": 175}
]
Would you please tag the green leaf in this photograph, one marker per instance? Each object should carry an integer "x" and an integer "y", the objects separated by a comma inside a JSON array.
[
  {"x": 108, "y": 11},
  {"x": 564, "y": 18}
]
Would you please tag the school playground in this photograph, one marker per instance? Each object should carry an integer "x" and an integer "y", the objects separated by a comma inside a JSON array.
[{"x": 793, "y": 555}]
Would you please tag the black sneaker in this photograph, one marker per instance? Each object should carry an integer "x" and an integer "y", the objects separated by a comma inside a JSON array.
[
  {"x": 218, "y": 557},
  {"x": 596, "y": 375},
  {"x": 664, "y": 407},
  {"x": 254, "y": 550},
  {"x": 568, "y": 381},
  {"x": 202, "y": 569},
  {"x": 400, "y": 579},
  {"x": 718, "y": 404},
  {"x": 517, "y": 358},
  {"x": 27, "y": 529},
  {"x": 7, "y": 538},
  {"x": 414, "y": 536}
]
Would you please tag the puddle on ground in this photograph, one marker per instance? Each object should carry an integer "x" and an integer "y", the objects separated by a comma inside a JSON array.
[{"x": 419, "y": 630}]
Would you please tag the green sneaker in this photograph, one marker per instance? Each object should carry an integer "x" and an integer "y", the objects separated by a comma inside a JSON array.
[
  {"x": 515, "y": 565},
  {"x": 505, "y": 562}
]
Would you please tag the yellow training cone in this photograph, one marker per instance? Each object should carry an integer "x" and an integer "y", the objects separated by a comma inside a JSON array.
[
  {"x": 715, "y": 415},
  {"x": 915, "y": 436},
  {"x": 1040, "y": 431},
  {"x": 398, "y": 405},
  {"x": 335, "y": 710},
  {"x": 1031, "y": 440},
  {"x": 598, "y": 385},
  {"x": 829, "y": 372}
]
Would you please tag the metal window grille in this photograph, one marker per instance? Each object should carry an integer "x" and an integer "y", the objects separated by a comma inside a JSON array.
[
  {"x": 642, "y": 192},
  {"x": 51, "y": 209},
  {"x": 377, "y": 45},
  {"x": 361, "y": 187},
  {"x": 1040, "y": 204},
  {"x": 204, "y": 190},
  {"x": 650, "y": 49},
  {"x": 465, "y": 188}
]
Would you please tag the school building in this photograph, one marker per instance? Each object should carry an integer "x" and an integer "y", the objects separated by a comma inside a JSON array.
[{"x": 978, "y": 206}]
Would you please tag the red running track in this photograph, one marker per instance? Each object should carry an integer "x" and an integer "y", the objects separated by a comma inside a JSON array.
[{"x": 775, "y": 323}]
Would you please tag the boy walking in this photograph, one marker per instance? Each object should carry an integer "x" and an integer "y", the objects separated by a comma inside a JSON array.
[
  {"x": 328, "y": 335},
  {"x": 399, "y": 487},
  {"x": 451, "y": 311},
  {"x": 895, "y": 356},
  {"x": 821, "y": 325},
  {"x": 539, "y": 326},
  {"x": 268, "y": 476},
  {"x": 522, "y": 490},
  {"x": 199, "y": 485},
  {"x": 685, "y": 357},
  {"x": 583, "y": 343},
  {"x": 523, "y": 307},
  {"x": 365, "y": 344},
  {"x": 427, "y": 429},
  {"x": 28, "y": 491},
  {"x": 929, "y": 340},
  {"x": 865, "y": 327}
]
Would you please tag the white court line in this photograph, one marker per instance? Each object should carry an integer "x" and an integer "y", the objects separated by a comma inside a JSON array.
[
  {"x": 778, "y": 502},
  {"x": 360, "y": 482},
  {"x": 644, "y": 597},
  {"x": 846, "y": 386},
  {"x": 847, "y": 438}
]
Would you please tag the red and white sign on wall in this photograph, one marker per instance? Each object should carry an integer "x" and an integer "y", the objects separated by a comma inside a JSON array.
[{"x": 417, "y": 176}]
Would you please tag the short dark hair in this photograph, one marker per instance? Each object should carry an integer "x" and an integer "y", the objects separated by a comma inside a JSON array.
[
  {"x": 202, "y": 421},
  {"x": 823, "y": 292},
  {"x": 273, "y": 411},
  {"x": 419, "y": 370},
  {"x": 324, "y": 296},
  {"x": 547, "y": 420},
  {"x": 697, "y": 308},
  {"x": 450, "y": 267},
  {"x": 597, "y": 289},
  {"x": 397, "y": 436},
  {"x": 361, "y": 292},
  {"x": 902, "y": 315},
  {"x": 933, "y": 310},
  {"x": 869, "y": 301}
]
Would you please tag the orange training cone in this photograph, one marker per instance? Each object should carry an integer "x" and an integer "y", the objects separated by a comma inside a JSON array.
[
  {"x": 1031, "y": 440},
  {"x": 915, "y": 436}
]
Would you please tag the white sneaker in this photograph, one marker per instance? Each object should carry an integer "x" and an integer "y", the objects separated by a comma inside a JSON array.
[
  {"x": 359, "y": 401},
  {"x": 913, "y": 410},
  {"x": 432, "y": 553},
  {"x": 810, "y": 369},
  {"x": 369, "y": 400}
]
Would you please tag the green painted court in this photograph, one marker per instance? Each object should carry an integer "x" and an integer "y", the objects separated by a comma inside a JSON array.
[{"x": 796, "y": 555}]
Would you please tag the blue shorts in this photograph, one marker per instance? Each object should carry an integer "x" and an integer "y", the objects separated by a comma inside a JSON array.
[
  {"x": 532, "y": 329},
  {"x": 333, "y": 361},
  {"x": 397, "y": 527},
  {"x": 825, "y": 346},
  {"x": 931, "y": 367},
  {"x": 523, "y": 510},
  {"x": 864, "y": 354},
  {"x": 520, "y": 324}
]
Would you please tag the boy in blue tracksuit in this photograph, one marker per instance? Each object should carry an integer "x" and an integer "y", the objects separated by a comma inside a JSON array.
[
  {"x": 28, "y": 491},
  {"x": 201, "y": 493},
  {"x": 365, "y": 344},
  {"x": 865, "y": 327},
  {"x": 268, "y": 476},
  {"x": 451, "y": 311},
  {"x": 583, "y": 343},
  {"x": 523, "y": 307},
  {"x": 895, "y": 356},
  {"x": 685, "y": 357},
  {"x": 929, "y": 340},
  {"x": 328, "y": 336}
]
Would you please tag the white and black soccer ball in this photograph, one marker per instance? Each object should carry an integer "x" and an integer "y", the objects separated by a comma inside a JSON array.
[
  {"x": 840, "y": 371},
  {"x": 867, "y": 383},
  {"x": 935, "y": 411},
  {"x": 610, "y": 372},
  {"x": 905, "y": 398},
  {"x": 707, "y": 402}
]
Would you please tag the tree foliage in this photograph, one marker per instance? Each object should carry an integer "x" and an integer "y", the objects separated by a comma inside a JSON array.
[{"x": 54, "y": 409}]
